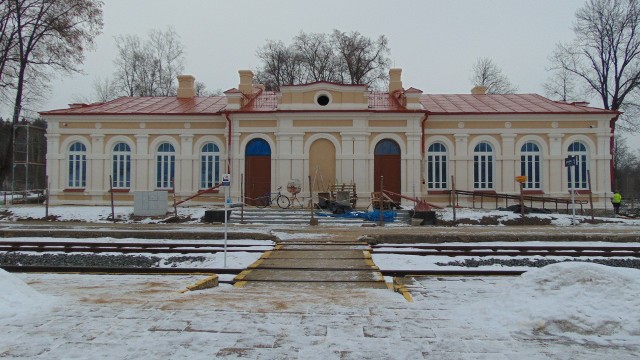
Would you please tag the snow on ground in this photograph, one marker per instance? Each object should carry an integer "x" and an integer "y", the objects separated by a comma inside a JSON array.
[
  {"x": 587, "y": 303},
  {"x": 18, "y": 300},
  {"x": 101, "y": 214},
  {"x": 503, "y": 216}
]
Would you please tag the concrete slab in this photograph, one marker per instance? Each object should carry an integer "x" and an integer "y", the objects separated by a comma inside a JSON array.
[
  {"x": 311, "y": 275},
  {"x": 316, "y": 254},
  {"x": 315, "y": 264}
]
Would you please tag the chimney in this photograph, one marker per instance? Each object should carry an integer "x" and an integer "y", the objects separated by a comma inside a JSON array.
[
  {"x": 186, "y": 86},
  {"x": 395, "y": 79},
  {"x": 246, "y": 82},
  {"x": 479, "y": 90}
]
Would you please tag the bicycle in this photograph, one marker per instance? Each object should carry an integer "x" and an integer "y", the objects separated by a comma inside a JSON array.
[{"x": 282, "y": 200}]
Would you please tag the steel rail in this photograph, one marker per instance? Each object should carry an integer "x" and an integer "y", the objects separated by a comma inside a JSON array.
[
  {"x": 510, "y": 247},
  {"x": 152, "y": 248},
  {"x": 118, "y": 270},
  {"x": 444, "y": 272},
  {"x": 571, "y": 253}
]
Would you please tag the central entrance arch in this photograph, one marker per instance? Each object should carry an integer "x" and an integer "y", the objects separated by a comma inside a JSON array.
[
  {"x": 386, "y": 162},
  {"x": 257, "y": 170},
  {"x": 322, "y": 164}
]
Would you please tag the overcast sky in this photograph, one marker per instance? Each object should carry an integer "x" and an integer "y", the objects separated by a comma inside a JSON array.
[{"x": 435, "y": 42}]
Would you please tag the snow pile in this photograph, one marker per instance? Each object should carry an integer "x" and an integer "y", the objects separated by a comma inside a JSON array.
[
  {"x": 18, "y": 299},
  {"x": 582, "y": 301}
]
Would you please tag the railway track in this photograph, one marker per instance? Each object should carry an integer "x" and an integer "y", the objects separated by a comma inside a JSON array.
[
  {"x": 508, "y": 250},
  {"x": 201, "y": 248},
  {"x": 137, "y": 247}
]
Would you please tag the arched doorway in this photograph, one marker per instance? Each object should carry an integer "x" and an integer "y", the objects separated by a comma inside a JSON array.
[
  {"x": 387, "y": 163},
  {"x": 322, "y": 164},
  {"x": 257, "y": 170}
]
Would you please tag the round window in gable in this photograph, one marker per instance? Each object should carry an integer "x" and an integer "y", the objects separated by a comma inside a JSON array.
[{"x": 323, "y": 99}]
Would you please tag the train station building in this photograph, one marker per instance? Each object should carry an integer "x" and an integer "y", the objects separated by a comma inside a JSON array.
[{"x": 420, "y": 144}]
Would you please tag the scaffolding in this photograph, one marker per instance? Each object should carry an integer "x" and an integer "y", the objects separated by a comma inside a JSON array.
[{"x": 28, "y": 171}]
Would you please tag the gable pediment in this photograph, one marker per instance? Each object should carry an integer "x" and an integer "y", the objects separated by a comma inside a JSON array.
[{"x": 323, "y": 95}]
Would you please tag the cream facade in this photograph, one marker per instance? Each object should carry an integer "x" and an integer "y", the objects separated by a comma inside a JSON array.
[{"x": 335, "y": 134}]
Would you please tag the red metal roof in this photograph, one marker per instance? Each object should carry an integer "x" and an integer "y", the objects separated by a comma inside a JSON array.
[
  {"x": 169, "y": 105},
  {"x": 500, "y": 104},
  {"x": 453, "y": 104}
]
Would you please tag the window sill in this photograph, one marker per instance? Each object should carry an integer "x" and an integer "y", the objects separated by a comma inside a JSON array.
[
  {"x": 438, "y": 192},
  {"x": 216, "y": 191},
  {"x": 120, "y": 190},
  {"x": 73, "y": 190},
  {"x": 532, "y": 192},
  {"x": 170, "y": 191},
  {"x": 582, "y": 192},
  {"x": 488, "y": 192}
]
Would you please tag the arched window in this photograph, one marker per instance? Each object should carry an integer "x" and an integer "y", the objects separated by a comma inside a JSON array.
[
  {"x": 121, "y": 166},
  {"x": 437, "y": 166},
  {"x": 165, "y": 166},
  {"x": 530, "y": 165},
  {"x": 209, "y": 166},
  {"x": 77, "y": 165},
  {"x": 387, "y": 147},
  {"x": 577, "y": 175},
  {"x": 483, "y": 166}
]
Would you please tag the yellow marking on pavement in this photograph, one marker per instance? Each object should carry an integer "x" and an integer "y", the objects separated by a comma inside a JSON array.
[
  {"x": 402, "y": 289},
  {"x": 266, "y": 254},
  {"x": 240, "y": 284},
  {"x": 278, "y": 246},
  {"x": 242, "y": 275},
  {"x": 255, "y": 264},
  {"x": 211, "y": 281},
  {"x": 367, "y": 254},
  {"x": 371, "y": 264}
]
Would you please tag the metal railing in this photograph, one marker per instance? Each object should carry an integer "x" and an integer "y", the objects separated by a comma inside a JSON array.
[{"x": 480, "y": 196}]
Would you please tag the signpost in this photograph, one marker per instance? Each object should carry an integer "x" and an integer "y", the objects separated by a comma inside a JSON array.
[
  {"x": 570, "y": 162},
  {"x": 226, "y": 182},
  {"x": 521, "y": 179}
]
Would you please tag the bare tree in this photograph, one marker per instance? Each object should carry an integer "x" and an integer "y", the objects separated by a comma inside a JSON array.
[
  {"x": 562, "y": 86},
  {"x": 605, "y": 54},
  {"x": 40, "y": 37},
  {"x": 7, "y": 44},
  {"x": 104, "y": 89},
  {"x": 282, "y": 65},
  {"x": 486, "y": 73},
  {"x": 51, "y": 35},
  {"x": 148, "y": 68},
  {"x": 349, "y": 58},
  {"x": 362, "y": 60},
  {"x": 318, "y": 57}
]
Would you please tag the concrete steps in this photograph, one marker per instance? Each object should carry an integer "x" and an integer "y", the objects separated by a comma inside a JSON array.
[{"x": 276, "y": 216}]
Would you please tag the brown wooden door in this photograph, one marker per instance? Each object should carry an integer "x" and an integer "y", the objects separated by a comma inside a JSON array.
[
  {"x": 257, "y": 169},
  {"x": 387, "y": 163},
  {"x": 258, "y": 177}
]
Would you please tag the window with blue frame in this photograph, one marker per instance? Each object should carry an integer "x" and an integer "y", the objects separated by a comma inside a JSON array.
[
  {"x": 530, "y": 165},
  {"x": 77, "y": 165},
  {"x": 258, "y": 147},
  {"x": 387, "y": 147},
  {"x": 209, "y": 166},
  {"x": 121, "y": 166},
  {"x": 577, "y": 175},
  {"x": 437, "y": 166},
  {"x": 165, "y": 166},
  {"x": 483, "y": 166}
]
